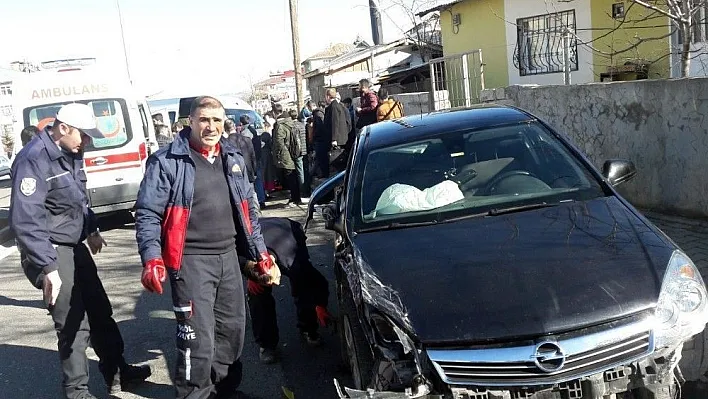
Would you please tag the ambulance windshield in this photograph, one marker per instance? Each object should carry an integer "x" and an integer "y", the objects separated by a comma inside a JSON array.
[{"x": 111, "y": 119}]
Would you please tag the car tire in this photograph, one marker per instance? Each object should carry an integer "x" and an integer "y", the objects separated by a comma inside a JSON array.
[
  {"x": 694, "y": 358},
  {"x": 356, "y": 352}
]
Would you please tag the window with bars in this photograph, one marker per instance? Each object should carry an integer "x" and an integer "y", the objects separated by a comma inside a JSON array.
[{"x": 540, "y": 44}]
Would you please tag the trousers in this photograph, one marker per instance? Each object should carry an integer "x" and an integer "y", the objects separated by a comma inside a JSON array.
[
  {"x": 263, "y": 313},
  {"x": 209, "y": 306},
  {"x": 82, "y": 314}
]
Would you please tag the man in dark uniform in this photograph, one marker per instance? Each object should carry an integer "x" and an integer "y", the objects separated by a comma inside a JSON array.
[
  {"x": 286, "y": 241},
  {"x": 195, "y": 212},
  {"x": 50, "y": 218}
]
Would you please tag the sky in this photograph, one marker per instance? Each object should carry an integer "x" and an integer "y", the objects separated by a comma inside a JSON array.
[{"x": 173, "y": 46}]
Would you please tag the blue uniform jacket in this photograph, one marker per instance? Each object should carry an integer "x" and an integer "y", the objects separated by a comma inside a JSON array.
[
  {"x": 165, "y": 200},
  {"x": 49, "y": 205}
]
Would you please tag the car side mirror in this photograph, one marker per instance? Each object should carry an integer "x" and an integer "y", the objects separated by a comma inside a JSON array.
[
  {"x": 322, "y": 195},
  {"x": 618, "y": 171},
  {"x": 332, "y": 218}
]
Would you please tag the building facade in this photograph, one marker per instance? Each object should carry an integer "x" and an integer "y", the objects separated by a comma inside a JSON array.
[{"x": 526, "y": 41}]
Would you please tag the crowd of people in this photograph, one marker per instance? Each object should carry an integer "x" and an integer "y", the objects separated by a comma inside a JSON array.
[
  {"x": 294, "y": 150},
  {"x": 212, "y": 168}
]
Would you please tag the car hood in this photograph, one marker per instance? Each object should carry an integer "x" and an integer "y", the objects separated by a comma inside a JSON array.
[{"x": 522, "y": 274}]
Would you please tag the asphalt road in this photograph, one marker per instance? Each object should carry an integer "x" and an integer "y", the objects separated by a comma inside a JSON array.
[{"x": 28, "y": 359}]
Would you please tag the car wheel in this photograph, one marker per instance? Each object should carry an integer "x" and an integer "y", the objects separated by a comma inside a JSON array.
[
  {"x": 694, "y": 358},
  {"x": 356, "y": 353}
]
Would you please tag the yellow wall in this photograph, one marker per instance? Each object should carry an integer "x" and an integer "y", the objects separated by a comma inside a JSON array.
[
  {"x": 483, "y": 28},
  {"x": 608, "y": 40}
]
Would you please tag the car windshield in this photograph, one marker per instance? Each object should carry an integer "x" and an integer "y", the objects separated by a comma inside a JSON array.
[{"x": 472, "y": 172}]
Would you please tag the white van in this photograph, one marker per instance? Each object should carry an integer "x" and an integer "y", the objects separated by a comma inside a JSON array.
[
  {"x": 234, "y": 107},
  {"x": 167, "y": 108},
  {"x": 115, "y": 164}
]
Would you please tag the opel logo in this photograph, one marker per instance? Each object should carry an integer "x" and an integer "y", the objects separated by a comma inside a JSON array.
[{"x": 549, "y": 357}]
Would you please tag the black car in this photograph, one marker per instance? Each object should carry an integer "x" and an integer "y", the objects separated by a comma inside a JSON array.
[{"x": 480, "y": 255}]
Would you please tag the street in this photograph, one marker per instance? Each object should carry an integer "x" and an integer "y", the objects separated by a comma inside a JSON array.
[
  {"x": 29, "y": 367},
  {"x": 28, "y": 343}
]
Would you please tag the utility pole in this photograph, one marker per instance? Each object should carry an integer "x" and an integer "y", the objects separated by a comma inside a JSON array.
[
  {"x": 122, "y": 38},
  {"x": 376, "y": 30},
  {"x": 306, "y": 189},
  {"x": 296, "y": 52}
]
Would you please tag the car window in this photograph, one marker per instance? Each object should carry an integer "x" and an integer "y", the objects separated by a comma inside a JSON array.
[
  {"x": 472, "y": 171},
  {"x": 235, "y": 114},
  {"x": 111, "y": 119}
]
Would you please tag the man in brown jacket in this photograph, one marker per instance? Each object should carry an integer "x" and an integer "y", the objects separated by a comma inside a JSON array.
[{"x": 388, "y": 107}]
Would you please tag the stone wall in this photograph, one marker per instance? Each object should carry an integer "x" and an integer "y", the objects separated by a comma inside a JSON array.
[{"x": 660, "y": 125}]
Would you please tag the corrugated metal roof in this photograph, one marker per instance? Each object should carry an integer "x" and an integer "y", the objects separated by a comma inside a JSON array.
[
  {"x": 333, "y": 51},
  {"x": 438, "y": 5}
]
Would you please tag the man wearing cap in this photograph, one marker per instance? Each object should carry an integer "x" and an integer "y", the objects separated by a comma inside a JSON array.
[
  {"x": 195, "y": 215},
  {"x": 50, "y": 218}
]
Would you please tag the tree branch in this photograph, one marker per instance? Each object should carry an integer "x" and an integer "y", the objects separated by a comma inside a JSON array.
[{"x": 659, "y": 10}]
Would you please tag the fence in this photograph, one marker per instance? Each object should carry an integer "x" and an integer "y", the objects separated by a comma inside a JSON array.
[{"x": 456, "y": 80}]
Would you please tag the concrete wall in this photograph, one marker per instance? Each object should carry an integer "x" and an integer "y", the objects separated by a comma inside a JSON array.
[
  {"x": 414, "y": 103},
  {"x": 316, "y": 87},
  {"x": 660, "y": 125}
]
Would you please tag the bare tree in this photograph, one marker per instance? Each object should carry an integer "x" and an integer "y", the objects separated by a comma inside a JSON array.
[
  {"x": 424, "y": 31},
  {"x": 7, "y": 140},
  {"x": 684, "y": 14},
  {"x": 685, "y": 17}
]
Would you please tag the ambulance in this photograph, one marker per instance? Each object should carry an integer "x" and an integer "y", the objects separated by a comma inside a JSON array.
[{"x": 114, "y": 164}]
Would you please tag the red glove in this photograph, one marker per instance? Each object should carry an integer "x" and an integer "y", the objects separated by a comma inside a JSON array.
[
  {"x": 254, "y": 288},
  {"x": 265, "y": 264},
  {"x": 323, "y": 316},
  {"x": 154, "y": 274}
]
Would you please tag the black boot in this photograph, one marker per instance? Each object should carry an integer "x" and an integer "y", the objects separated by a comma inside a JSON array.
[{"x": 127, "y": 375}]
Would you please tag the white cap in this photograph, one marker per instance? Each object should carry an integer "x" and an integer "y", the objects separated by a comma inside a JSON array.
[{"x": 81, "y": 117}]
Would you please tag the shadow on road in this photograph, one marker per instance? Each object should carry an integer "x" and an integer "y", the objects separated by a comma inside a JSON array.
[
  {"x": 28, "y": 372},
  {"x": 5, "y": 301},
  {"x": 149, "y": 335}
]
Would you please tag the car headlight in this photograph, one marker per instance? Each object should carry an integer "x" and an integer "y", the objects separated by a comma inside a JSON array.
[
  {"x": 387, "y": 332},
  {"x": 682, "y": 310}
]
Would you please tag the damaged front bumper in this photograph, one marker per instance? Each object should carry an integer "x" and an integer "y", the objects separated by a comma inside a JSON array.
[{"x": 654, "y": 378}]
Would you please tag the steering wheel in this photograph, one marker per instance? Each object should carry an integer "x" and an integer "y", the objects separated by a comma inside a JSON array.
[
  {"x": 491, "y": 186},
  {"x": 465, "y": 177}
]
